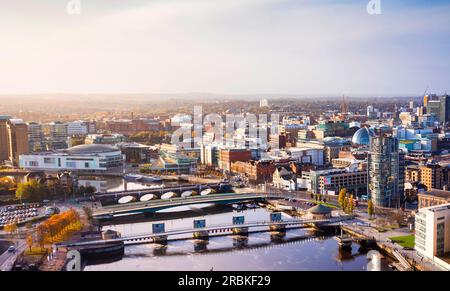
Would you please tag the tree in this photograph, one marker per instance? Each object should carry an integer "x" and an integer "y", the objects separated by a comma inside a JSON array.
[
  {"x": 32, "y": 191},
  {"x": 90, "y": 190},
  {"x": 6, "y": 184},
  {"x": 11, "y": 228},
  {"x": 350, "y": 205},
  {"x": 342, "y": 197},
  {"x": 370, "y": 207},
  {"x": 345, "y": 204},
  {"x": 30, "y": 241}
]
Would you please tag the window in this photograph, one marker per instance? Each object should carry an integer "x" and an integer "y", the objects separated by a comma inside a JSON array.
[
  {"x": 33, "y": 163},
  {"x": 49, "y": 160},
  {"x": 71, "y": 164},
  {"x": 86, "y": 165}
]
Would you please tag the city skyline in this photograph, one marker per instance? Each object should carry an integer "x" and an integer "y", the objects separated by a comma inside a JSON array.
[{"x": 225, "y": 47}]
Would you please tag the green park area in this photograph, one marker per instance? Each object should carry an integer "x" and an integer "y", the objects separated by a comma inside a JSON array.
[{"x": 405, "y": 241}]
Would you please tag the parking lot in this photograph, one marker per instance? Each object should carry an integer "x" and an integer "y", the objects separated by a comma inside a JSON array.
[{"x": 18, "y": 213}]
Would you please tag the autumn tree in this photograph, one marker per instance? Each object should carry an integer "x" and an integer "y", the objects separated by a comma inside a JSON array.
[
  {"x": 32, "y": 191},
  {"x": 29, "y": 241},
  {"x": 342, "y": 198},
  {"x": 350, "y": 205},
  {"x": 345, "y": 204},
  {"x": 6, "y": 184},
  {"x": 370, "y": 207},
  {"x": 11, "y": 228}
]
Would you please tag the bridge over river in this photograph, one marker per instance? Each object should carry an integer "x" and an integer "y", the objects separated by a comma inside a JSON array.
[
  {"x": 235, "y": 228},
  {"x": 114, "y": 196},
  {"x": 159, "y": 204}
]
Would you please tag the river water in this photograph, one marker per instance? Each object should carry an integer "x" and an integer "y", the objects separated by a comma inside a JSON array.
[{"x": 298, "y": 249}]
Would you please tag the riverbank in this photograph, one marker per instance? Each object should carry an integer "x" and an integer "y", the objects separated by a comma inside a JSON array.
[{"x": 393, "y": 249}]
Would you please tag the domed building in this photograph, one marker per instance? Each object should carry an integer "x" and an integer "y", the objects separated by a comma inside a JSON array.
[
  {"x": 362, "y": 136},
  {"x": 86, "y": 157},
  {"x": 319, "y": 212}
]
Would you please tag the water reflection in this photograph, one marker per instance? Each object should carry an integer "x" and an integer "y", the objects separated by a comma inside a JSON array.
[{"x": 293, "y": 249}]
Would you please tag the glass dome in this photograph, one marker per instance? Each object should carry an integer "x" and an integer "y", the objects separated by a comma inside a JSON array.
[{"x": 362, "y": 136}]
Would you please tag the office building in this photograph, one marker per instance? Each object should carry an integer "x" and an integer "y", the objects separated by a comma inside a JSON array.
[
  {"x": 36, "y": 137},
  {"x": 432, "y": 176},
  {"x": 432, "y": 237},
  {"x": 228, "y": 156},
  {"x": 17, "y": 139},
  {"x": 385, "y": 171},
  {"x": 4, "y": 146},
  {"x": 104, "y": 138},
  {"x": 433, "y": 197},
  {"x": 58, "y": 135},
  {"x": 330, "y": 181},
  {"x": 86, "y": 158},
  {"x": 77, "y": 128}
]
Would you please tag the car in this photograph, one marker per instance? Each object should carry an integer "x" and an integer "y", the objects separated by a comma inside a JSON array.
[{"x": 12, "y": 249}]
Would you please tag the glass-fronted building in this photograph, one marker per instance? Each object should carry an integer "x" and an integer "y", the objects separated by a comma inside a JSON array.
[{"x": 385, "y": 171}]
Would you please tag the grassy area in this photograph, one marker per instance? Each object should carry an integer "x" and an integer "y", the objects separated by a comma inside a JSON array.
[
  {"x": 36, "y": 251},
  {"x": 404, "y": 241}
]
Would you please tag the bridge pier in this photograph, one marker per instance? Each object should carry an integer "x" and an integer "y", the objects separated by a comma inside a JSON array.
[
  {"x": 240, "y": 241},
  {"x": 276, "y": 217},
  {"x": 277, "y": 227},
  {"x": 159, "y": 228},
  {"x": 277, "y": 237},
  {"x": 240, "y": 230},
  {"x": 161, "y": 239},
  {"x": 201, "y": 246},
  {"x": 201, "y": 234}
]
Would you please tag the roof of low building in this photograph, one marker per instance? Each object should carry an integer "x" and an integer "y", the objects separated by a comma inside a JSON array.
[
  {"x": 91, "y": 149},
  {"x": 437, "y": 193},
  {"x": 319, "y": 209}
]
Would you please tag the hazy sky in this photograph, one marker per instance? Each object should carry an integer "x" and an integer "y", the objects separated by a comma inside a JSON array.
[{"x": 225, "y": 46}]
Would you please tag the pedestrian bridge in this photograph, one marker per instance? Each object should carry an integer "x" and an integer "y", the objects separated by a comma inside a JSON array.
[
  {"x": 159, "y": 204},
  {"x": 222, "y": 229}
]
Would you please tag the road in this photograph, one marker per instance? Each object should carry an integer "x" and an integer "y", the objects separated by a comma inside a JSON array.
[{"x": 7, "y": 259}]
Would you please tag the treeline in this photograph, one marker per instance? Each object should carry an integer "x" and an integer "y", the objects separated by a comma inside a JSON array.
[
  {"x": 35, "y": 191},
  {"x": 150, "y": 137},
  {"x": 57, "y": 227}
]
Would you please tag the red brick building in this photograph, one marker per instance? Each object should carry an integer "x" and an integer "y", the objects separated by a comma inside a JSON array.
[{"x": 228, "y": 156}]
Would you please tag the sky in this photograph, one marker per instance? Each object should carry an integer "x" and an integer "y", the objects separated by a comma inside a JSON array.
[{"x": 303, "y": 47}]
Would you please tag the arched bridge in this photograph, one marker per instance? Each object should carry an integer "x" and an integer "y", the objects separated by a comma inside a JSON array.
[{"x": 159, "y": 204}]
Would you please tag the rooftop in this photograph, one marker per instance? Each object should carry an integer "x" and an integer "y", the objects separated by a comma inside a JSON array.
[
  {"x": 90, "y": 149},
  {"x": 437, "y": 193},
  {"x": 319, "y": 209}
]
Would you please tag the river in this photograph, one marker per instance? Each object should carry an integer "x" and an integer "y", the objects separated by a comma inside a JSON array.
[{"x": 261, "y": 251}]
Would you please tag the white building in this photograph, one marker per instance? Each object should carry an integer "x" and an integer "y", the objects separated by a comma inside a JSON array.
[
  {"x": 284, "y": 179},
  {"x": 307, "y": 155},
  {"x": 432, "y": 238},
  {"x": 263, "y": 103},
  {"x": 92, "y": 157},
  {"x": 77, "y": 128}
]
